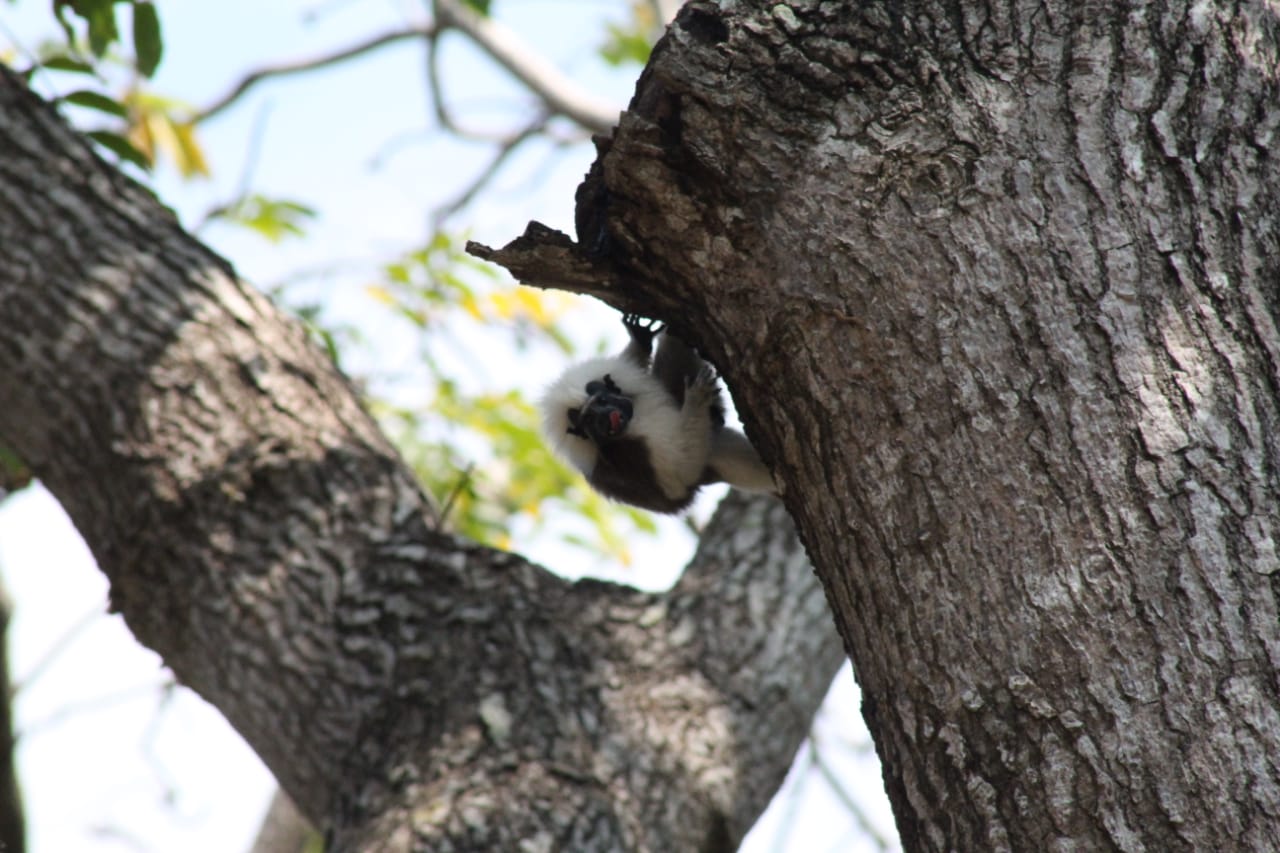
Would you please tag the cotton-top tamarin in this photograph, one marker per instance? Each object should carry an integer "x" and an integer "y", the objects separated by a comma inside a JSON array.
[{"x": 649, "y": 431}]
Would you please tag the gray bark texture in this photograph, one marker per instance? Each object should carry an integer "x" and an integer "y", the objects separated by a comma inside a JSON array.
[
  {"x": 996, "y": 286},
  {"x": 411, "y": 691}
]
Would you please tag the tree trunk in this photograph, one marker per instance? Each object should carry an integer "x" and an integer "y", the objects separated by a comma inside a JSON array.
[
  {"x": 996, "y": 287},
  {"x": 408, "y": 689}
]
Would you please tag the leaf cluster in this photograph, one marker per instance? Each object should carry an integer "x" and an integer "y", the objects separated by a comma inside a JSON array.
[
  {"x": 95, "y": 23},
  {"x": 142, "y": 125}
]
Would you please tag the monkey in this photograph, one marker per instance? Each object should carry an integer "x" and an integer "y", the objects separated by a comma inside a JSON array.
[{"x": 649, "y": 431}]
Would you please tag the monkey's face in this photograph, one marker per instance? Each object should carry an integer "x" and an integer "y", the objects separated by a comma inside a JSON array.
[{"x": 604, "y": 415}]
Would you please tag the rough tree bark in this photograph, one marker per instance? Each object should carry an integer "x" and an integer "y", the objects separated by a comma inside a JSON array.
[
  {"x": 996, "y": 285},
  {"x": 408, "y": 689}
]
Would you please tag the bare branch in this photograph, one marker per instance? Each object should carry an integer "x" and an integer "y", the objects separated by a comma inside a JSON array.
[
  {"x": 438, "y": 103},
  {"x": 557, "y": 91},
  {"x": 504, "y": 138},
  {"x": 96, "y": 704},
  {"x": 300, "y": 66},
  {"x": 488, "y": 173}
]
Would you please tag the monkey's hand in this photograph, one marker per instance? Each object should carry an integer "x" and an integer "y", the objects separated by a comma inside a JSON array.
[
  {"x": 702, "y": 390},
  {"x": 641, "y": 330}
]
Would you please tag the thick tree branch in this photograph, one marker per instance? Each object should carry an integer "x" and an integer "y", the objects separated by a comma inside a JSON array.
[{"x": 406, "y": 688}]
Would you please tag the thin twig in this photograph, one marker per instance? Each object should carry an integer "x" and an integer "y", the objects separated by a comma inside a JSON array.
[
  {"x": 93, "y": 705},
  {"x": 453, "y": 496},
  {"x": 487, "y": 174},
  {"x": 800, "y": 773},
  {"x": 436, "y": 88},
  {"x": 846, "y": 799},
  {"x": 252, "y": 156},
  {"x": 561, "y": 95},
  {"x": 254, "y": 77},
  {"x": 556, "y": 90},
  {"x": 59, "y": 646},
  {"x": 440, "y": 105}
]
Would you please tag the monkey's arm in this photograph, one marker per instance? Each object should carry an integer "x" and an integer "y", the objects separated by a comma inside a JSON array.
[
  {"x": 677, "y": 366},
  {"x": 730, "y": 458},
  {"x": 736, "y": 462}
]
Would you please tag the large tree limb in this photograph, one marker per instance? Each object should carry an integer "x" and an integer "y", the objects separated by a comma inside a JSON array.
[{"x": 406, "y": 688}]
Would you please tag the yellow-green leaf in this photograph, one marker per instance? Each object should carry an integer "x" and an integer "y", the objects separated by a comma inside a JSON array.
[{"x": 190, "y": 155}]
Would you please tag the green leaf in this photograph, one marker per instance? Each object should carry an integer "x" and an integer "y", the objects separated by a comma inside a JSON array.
[
  {"x": 626, "y": 44},
  {"x": 97, "y": 101},
  {"x": 60, "y": 8},
  {"x": 148, "y": 46},
  {"x": 273, "y": 219},
  {"x": 121, "y": 147},
  {"x": 101, "y": 17},
  {"x": 481, "y": 6},
  {"x": 68, "y": 64}
]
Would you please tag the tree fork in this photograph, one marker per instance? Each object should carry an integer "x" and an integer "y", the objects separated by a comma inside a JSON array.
[{"x": 409, "y": 690}]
